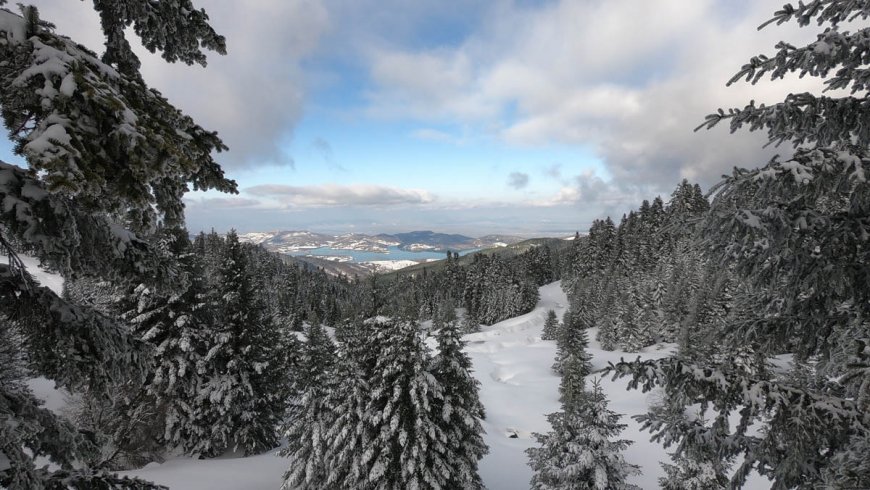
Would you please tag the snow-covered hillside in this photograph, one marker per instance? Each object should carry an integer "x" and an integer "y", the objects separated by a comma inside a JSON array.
[{"x": 518, "y": 389}]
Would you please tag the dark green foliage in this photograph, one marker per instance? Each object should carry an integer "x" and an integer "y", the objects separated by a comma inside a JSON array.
[
  {"x": 460, "y": 409},
  {"x": 177, "y": 324},
  {"x": 795, "y": 418},
  {"x": 96, "y": 135},
  {"x": 384, "y": 414},
  {"x": 795, "y": 234},
  {"x": 494, "y": 291},
  {"x": 244, "y": 381},
  {"x": 551, "y": 327},
  {"x": 490, "y": 287},
  {"x": 156, "y": 24},
  {"x": 348, "y": 434},
  {"x": 408, "y": 443},
  {"x": 579, "y": 452},
  {"x": 571, "y": 349},
  {"x": 107, "y": 160},
  {"x": 27, "y": 431},
  {"x": 635, "y": 281},
  {"x": 312, "y": 415}
]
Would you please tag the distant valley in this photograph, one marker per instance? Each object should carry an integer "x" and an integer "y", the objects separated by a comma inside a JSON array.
[
  {"x": 294, "y": 242},
  {"x": 357, "y": 253}
]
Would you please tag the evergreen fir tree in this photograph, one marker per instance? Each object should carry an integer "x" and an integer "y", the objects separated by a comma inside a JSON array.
[
  {"x": 245, "y": 386},
  {"x": 789, "y": 231},
  {"x": 551, "y": 327},
  {"x": 571, "y": 351},
  {"x": 579, "y": 452},
  {"x": 350, "y": 450},
  {"x": 460, "y": 409},
  {"x": 404, "y": 444},
  {"x": 311, "y": 417},
  {"x": 177, "y": 325},
  {"x": 107, "y": 159},
  {"x": 470, "y": 323},
  {"x": 689, "y": 474}
]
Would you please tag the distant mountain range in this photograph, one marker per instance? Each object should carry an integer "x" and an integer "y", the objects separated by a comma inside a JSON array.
[{"x": 297, "y": 241}]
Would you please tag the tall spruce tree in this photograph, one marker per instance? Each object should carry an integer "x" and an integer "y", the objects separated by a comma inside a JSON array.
[
  {"x": 580, "y": 453},
  {"x": 551, "y": 327},
  {"x": 397, "y": 440},
  {"x": 795, "y": 231},
  {"x": 107, "y": 160},
  {"x": 350, "y": 449},
  {"x": 245, "y": 384},
  {"x": 312, "y": 415},
  {"x": 571, "y": 350},
  {"x": 177, "y": 324},
  {"x": 460, "y": 409}
]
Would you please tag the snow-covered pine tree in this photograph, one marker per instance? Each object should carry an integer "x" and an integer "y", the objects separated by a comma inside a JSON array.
[
  {"x": 697, "y": 463},
  {"x": 551, "y": 327},
  {"x": 176, "y": 323},
  {"x": 107, "y": 159},
  {"x": 470, "y": 323},
  {"x": 406, "y": 445},
  {"x": 580, "y": 453},
  {"x": 460, "y": 409},
  {"x": 796, "y": 232},
  {"x": 350, "y": 448},
  {"x": 630, "y": 333},
  {"x": 571, "y": 350},
  {"x": 575, "y": 368},
  {"x": 691, "y": 474},
  {"x": 311, "y": 416},
  {"x": 245, "y": 383}
]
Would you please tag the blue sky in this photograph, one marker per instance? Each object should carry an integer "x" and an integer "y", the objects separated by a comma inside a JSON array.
[{"x": 526, "y": 117}]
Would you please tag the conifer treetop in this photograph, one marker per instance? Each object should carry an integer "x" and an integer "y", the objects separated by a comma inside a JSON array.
[
  {"x": 92, "y": 131},
  {"x": 837, "y": 56}
]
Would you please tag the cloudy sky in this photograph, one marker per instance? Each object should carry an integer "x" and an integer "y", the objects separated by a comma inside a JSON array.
[{"x": 471, "y": 116}]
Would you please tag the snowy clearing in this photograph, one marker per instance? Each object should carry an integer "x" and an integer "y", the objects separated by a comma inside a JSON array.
[{"x": 518, "y": 389}]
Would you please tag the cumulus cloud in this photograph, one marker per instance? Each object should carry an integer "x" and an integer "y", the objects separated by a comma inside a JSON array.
[
  {"x": 626, "y": 78},
  {"x": 222, "y": 202},
  {"x": 518, "y": 180},
  {"x": 341, "y": 195},
  {"x": 590, "y": 190},
  {"x": 254, "y": 95}
]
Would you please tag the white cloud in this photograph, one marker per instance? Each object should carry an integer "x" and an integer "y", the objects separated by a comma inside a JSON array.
[
  {"x": 341, "y": 195},
  {"x": 591, "y": 191},
  {"x": 628, "y": 78},
  {"x": 254, "y": 95},
  {"x": 222, "y": 202}
]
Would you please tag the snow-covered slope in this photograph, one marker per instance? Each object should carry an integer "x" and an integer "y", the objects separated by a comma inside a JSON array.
[{"x": 518, "y": 389}]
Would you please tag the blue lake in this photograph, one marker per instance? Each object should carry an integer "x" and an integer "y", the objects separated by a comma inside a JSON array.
[{"x": 392, "y": 253}]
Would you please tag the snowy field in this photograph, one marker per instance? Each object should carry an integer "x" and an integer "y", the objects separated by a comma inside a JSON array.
[{"x": 518, "y": 389}]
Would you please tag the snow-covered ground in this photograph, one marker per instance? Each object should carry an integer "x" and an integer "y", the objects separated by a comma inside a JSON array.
[
  {"x": 261, "y": 472},
  {"x": 389, "y": 265},
  {"x": 517, "y": 388}
]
